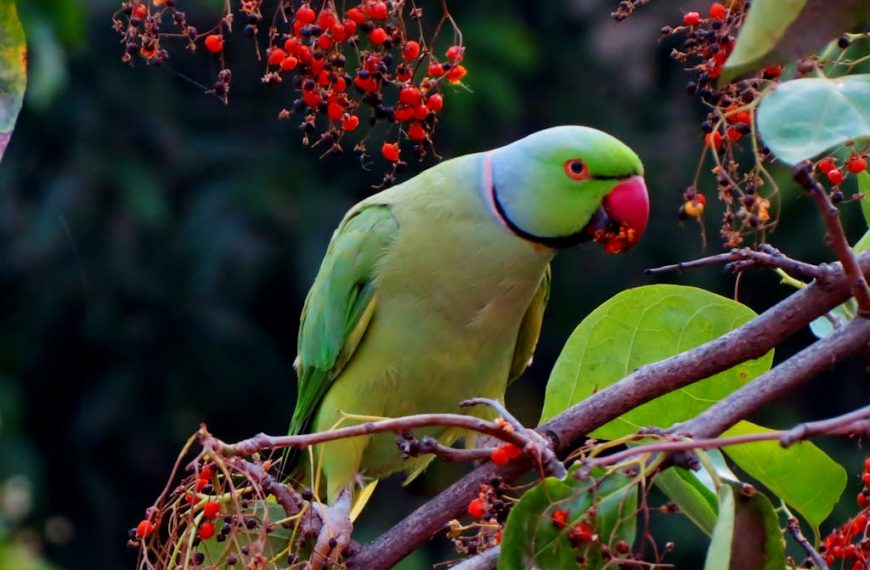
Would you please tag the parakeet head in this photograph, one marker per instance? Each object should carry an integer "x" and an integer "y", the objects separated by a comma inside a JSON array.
[{"x": 566, "y": 185}]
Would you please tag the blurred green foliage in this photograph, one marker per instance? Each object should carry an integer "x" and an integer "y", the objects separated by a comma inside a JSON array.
[{"x": 156, "y": 246}]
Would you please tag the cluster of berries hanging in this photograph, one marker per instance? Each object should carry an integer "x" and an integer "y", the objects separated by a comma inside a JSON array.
[
  {"x": 488, "y": 511},
  {"x": 217, "y": 512},
  {"x": 350, "y": 69},
  {"x": 849, "y": 546},
  {"x": 730, "y": 137}
]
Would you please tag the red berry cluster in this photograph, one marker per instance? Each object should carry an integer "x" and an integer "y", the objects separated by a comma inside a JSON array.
[
  {"x": 346, "y": 66},
  {"x": 836, "y": 173},
  {"x": 491, "y": 510},
  {"x": 502, "y": 454},
  {"x": 849, "y": 544}
]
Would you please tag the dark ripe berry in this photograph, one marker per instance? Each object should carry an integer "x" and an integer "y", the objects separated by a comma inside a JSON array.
[
  {"x": 232, "y": 560},
  {"x": 836, "y": 197},
  {"x": 366, "y": 27},
  {"x": 691, "y": 88},
  {"x": 246, "y": 550},
  {"x": 401, "y": 166},
  {"x": 298, "y": 105},
  {"x": 198, "y": 558},
  {"x": 250, "y": 30},
  {"x": 843, "y": 42},
  {"x": 623, "y": 547},
  {"x": 707, "y": 127}
]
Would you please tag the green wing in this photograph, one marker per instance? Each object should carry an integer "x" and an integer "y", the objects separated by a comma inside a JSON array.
[
  {"x": 339, "y": 305},
  {"x": 530, "y": 329}
]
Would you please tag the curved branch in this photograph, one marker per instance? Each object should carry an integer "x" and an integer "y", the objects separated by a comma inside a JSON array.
[{"x": 749, "y": 341}]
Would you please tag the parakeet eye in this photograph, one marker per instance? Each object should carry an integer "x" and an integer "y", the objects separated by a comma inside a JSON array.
[{"x": 576, "y": 169}]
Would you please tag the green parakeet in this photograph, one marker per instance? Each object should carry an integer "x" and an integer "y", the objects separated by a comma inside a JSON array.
[{"x": 433, "y": 291}]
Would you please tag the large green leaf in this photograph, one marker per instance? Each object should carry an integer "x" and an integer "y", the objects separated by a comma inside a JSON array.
[
  {"x": 747, "y": 535},
  {"x": 802, "y": 475},
  {"x": 532, "y": 540},
  {"x": 13, "y": 70},
  {"x": 778, "y": 31},
  {"x": 805, "y": 117},
  {"x": 644, "y": 325}
]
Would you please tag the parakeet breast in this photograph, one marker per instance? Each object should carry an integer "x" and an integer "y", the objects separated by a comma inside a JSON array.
[{"x": 452, "y": 291}]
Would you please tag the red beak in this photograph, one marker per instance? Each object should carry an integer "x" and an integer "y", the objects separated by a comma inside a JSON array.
[{"x": 622, "y": 218}]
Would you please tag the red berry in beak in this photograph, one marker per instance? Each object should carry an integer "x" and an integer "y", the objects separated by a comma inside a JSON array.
[{"x": 626, "y": 212}]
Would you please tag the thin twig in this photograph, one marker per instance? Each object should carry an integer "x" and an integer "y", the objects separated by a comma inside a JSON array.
[
  {"x": 744, "y": 258},
  {"x": 794, "y": 528},
  {"x": 835, "y": 236}
]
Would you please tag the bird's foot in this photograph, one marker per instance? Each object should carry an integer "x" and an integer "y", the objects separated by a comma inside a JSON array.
[{"x": 334, "y": 537}]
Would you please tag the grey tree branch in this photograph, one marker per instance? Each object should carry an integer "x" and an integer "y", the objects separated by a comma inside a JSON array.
[{"x": 751, "y": 340}]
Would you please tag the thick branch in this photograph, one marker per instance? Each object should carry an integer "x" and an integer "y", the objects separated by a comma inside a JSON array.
[
  {"x": 752, "y": 340},
  {"x": 779, "y": 381}
]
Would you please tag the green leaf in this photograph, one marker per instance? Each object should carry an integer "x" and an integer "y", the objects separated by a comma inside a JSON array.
[
  {"x": 864, "y": 190},
  {"x": 695, "y": 499},
  {"x": 822, "y": 327},
  {"x": 805, "y": 117},
  {"x": 13, "y": 70},
  {"x": 644, "y": 325},
  {"x": 765, "y": 25},
  {"x": 532, "y": 540},
  {"x": 747, "y": 535},
  {"x": 802, "y": 475},
  {"x": 780, "y": 31}
]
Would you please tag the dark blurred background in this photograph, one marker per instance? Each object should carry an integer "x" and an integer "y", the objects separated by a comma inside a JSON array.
[{"x": 156, "y": 247}]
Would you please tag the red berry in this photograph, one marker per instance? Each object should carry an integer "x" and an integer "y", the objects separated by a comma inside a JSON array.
[
  {"x": 498, "y": 456},
  {"x": 326, "y": 19},
  {"x": 559, "y": 518},
  {"x": 338, "y": 32},
  {"x": 350, "y": 123},
  {"x": 417, "y": 133},
  {"x": 206, "y": 531},
  {"x": 140, "y": 10},
  {"x": 717, "y": 11},
  {"x": 334, "y": 111},
  {"x": 211, "y": 509},
  {"x": 214, "y": 43},
  {"x": 410, "y": 96},
  {"x": 305, "y": 15},
  {"x": 276, "y": 56},
  {"x": 206, "y": 473},
  {"x": 456, "y": 73},
  {"x": 312, "y": 98},
  {"x": 390, "y": 152},
  {"x": 744, "y": 117},
  {"x": 323, "y": 78},
  {"x": 691, "y": 18},
  {"x": 857, "y": 164},
  {"x": 340, "y": 85},
  {"x": 867, "y": 465},
  {"x": 291, "y": 45},
  {"x": 835, "y": 176},
  {"x": 403, "y": 114},
  {"x": 714, "y": 139},
  {"x": 144, "y": 529},
  {"x": 863, "y": 501},
  {"x": 368, "y": 84},
  {"x": 325, "y": 42},
  {"x": 827, "y": 164},
  {"x": 455, "y": 53},
  {"x": 200, "y": 484},
  {"x": 378, "y": 11},
  {"x": 421, "y": 112},
  {"x": 866, "y": 479},
  {"x": 289, "y": 63},
  {"x": 378, "y": 36},
  {"x": 435, "y": 102},
  {"x": 356, "y": 15},
  {"x": 410, "y": 50},
  {"x": 512, "y": 450},
  {"x": 733, "y": 134},
  {"x": 435, "y": 70},
  {"x": 476, "y": 508}
]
